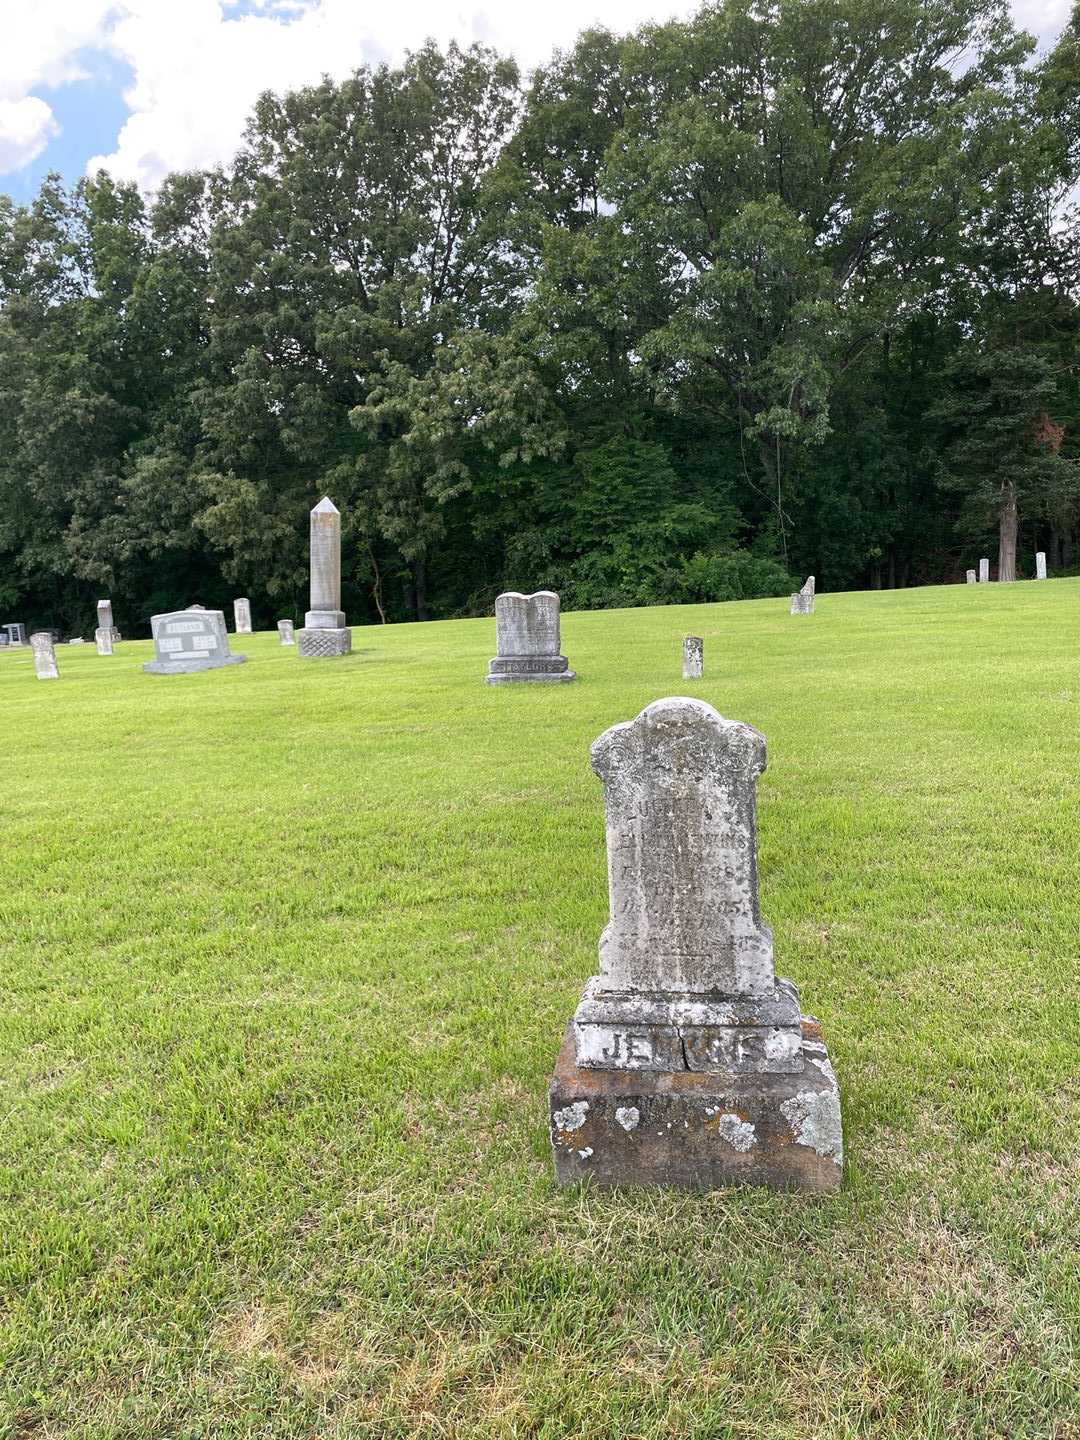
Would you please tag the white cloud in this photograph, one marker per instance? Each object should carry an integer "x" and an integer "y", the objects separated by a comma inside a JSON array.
[{"x": 198, "y": 65}]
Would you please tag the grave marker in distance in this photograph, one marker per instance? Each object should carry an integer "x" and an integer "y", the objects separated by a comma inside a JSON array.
[
  {"x": 984, "y": 571},
  {"x": 527, "y": 630},
  {"x": 41, "y": 644},
  {"x": 242, "y": 615},
  {"x": 803, "y": 602},
  {"x": 971, "y": 577},
  {"x": 285, "y": 632},
  {"x": 693, "y": 657},
  {"x": 1040, "y": 564},
  {"x": 324, "y": 634},
  {"x": 189, "y": 640}
]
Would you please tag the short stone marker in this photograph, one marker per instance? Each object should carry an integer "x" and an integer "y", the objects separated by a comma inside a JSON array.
[
  {"x": 693, "y": 657},
  {"x": 971, "y": 577},
  {"x": 803, "y": 602},
  {"x": 1040, "y": 564},
  {"x": 324, "y": 634},
  {"x": 687, "y": 1061},
  {"x": 105, "y": 619},
  {"x": 984, "y": 571},
  {"x": 189, "y": 640},
  {"x": 285, "y": 632},
  {"x": 527, "y": 640},
  {"x": 103, "y": 639},
  {"x": 41, "y": 644},
  {"x": 242, "y": 615}
]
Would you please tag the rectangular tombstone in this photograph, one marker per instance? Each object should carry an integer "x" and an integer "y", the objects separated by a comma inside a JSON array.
[
  {"x": 325, "y": 634},
  {"x": 1040, "y": 564},
  {"x": 103, "y": 639},
  {"x": 105, "y": 620},
  {"x": 693, "y": 657},
  {"x": 285, "y": 632},
  {"x": 984, "y": 571},
  {"x": 41, "y": 644},
  {"x": 242, "y": 616},
  {"x": 971, "y": 577},
  {"x": 189, "y": 640},
  {"x": 803, "y": 602},
  {"x": 527, "y": 640},
  {"x": 688, "y": 1062}
]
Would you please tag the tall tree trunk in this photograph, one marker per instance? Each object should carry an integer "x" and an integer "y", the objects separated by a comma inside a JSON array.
[
  {"x": 1008, "y": 524},
  {"x": 419, "y": 578}
]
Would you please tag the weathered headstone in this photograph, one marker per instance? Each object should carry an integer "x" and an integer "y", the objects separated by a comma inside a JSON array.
[
  {"x": 242, "y": 615},
  {"x": 984, "y": 571},
  {"x": 688, "y": 1062},
  {"x": 324, "y": 634},
  {"x": 188, "y": 640},
  {"x": 803, "y": 602},
  {"x": 693, "y": 657},
  {"x": 41, "y": 644},
  {"x": 971, "y": 577},
  {"x": 527, "y": 640},
  {"x": 103, "y": 639},
  {"x": 1040, "y": 564},
  {"x": 105, "y": 619},
  {"x": 285, "y": 632}
]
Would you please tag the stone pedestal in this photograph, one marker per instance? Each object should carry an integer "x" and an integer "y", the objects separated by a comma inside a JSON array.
[
  {"x": 325, "y": 634},
  {"x": 527, "y": 640},
  {"x": 688, "y": 1062},
  {"x": 693, "y": 657},
  {"x": 802, "y": 603}
]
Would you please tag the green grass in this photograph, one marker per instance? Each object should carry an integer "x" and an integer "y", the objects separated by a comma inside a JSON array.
[{"x": 286, "y": 952}]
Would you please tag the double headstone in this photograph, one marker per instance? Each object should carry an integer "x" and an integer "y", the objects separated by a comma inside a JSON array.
[
  {"x": 324, "y": 634},
  {"x": 285, "y": 632},
  {"x": 242, "y": 615},
  {"x": 984, "y": 571},
  {"x": 802, "y": 603},
  {"x": 971, "y": 577},
  {"x": 688, "y": 1062},
  {"x": 188, "y": 640},
  {"x": 527, "y": 639},
  {"x": 693, "y": 657},
  {"x": 1040, "y": 564},
  {"x": 44, "y": 651}
]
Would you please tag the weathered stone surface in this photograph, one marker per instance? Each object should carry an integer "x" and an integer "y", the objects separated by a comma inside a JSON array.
[
  {"x": 698, "y": 1130},
  {"x": 189, "y": 640},
  {"x": 527, "y": 640},
  {"x": 693, "y": 657},
  {"x": 324, "y": 634},
  {"x": 285, "y": 632},
  {"x": 1040, "y": 564},
  {"x": 971, "y": 577},
  {"x": 242, "y": 615},
  {"x": 802, "y": 603},
  {"x": 103, "y": 639},
  {"x": 686, "y": 1026},
  {"x": 984, "y": 571},
  {"x": 41, "y": 644}
]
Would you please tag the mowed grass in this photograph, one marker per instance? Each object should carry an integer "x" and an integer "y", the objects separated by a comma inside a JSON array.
[{"x": 286, "y": 954}]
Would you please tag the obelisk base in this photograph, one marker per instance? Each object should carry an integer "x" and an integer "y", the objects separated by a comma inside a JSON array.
[
  {"x": 323, "y": 644},
  {"x": 698, "y": 1130}
]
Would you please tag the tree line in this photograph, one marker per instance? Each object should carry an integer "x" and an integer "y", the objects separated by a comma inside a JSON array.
[{"x": 785, "y": 287}]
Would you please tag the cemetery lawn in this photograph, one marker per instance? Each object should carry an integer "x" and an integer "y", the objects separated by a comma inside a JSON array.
[{"x": 286, "y": 954}]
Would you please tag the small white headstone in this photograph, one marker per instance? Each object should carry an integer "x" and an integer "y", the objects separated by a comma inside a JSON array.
[
  {"x": 285, "y": 632},
  {"x": 103, "y": 639},
  {"x": 803, "y": 602},
  {"x": 44, "y": 656},
  {"x": 1040, "y": 565},
  {"x": 693, "y": 657},
  {"x": 984, "y": 571},
  {"x": 971, "y": 577},
  {"x": 242, "y": 616}
]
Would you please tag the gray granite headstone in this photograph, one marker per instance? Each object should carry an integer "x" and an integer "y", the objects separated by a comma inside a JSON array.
[
  {"x": 688, "y": 1062},
  {"x": 971, "y": 577},
  {"x": 189, "y": 640},
  {"x": 693, "y": 657},
  {"x": 802, "y": 603},
  {"x": 41, "y": 644},
  {"x": 285, "y": 632},
  {"x": 527, "y": 629},
  {"x": 325, "y": 634},
  {"x": 242, "y": 615},
  {"x": 1040, "y": 564},
  {"x": 984, "y": 571}
]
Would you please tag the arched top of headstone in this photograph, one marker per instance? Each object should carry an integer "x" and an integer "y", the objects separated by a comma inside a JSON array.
[{"x": 527, "y": 624}]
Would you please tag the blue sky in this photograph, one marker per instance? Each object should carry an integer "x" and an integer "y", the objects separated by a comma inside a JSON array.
[{"x": 149, "y": 86}]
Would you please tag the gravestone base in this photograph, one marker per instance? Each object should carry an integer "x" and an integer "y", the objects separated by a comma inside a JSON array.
[
  {"x": 187, "y": 667},
  {"x": 802, "y": 604},
  {"x": 695, "y": 1130},
  {"x": 324, "y": 644},
  {"x": 512, "y": 669}
]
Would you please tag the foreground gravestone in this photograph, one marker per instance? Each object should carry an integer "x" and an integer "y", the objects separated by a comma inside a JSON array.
[
  {"x": 693, "y": 657},
  {"x": 190, "y": 640},
  {"x": 242, "y": 616},
  {"x": 984, "y": 571},
  {"x": 687, "y": 1062},
  {"x": 803, "y": 602},
  {"x": 527, "y": 640},
  {"x": 324, "y": 634},
  {"x": 41, "y": 644},
  {"x": 971, "y": 577},
  {"x": 285, "y": 632},
  {"x": 1040, "y": 564}
]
